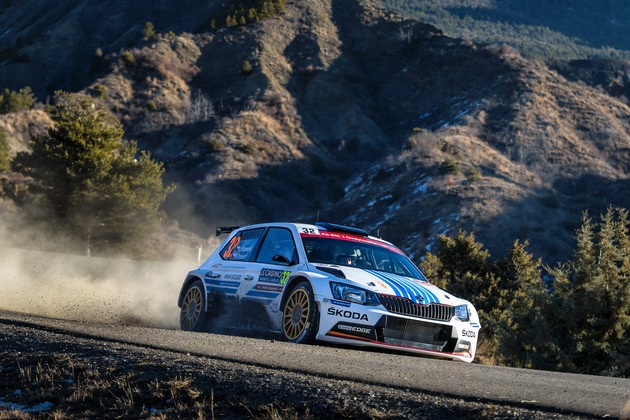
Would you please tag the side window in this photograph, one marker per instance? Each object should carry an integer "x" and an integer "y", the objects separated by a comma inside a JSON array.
[
  {"x": 241, "y": 246},
  {"x": 278, "y": 241}
]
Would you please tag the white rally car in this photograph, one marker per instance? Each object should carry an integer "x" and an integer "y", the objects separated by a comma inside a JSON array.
[{"x": 326, "y": 282}]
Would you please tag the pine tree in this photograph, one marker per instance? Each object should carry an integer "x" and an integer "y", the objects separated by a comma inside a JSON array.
[
  {"x": 461, "y": 267},
  {"x": 525, "y": 338},
  {"x": 571, "y": 295},
  {"x": 246, "y": 67},
  {"x": 464, "y": 264},
  {"x": 619, "y": 295},
  {"x": 16, "y": 101},
  {"x": 91, "y": 180},
  {"x": 148, "y": 31},
  {"x": 592, "y": 294}
]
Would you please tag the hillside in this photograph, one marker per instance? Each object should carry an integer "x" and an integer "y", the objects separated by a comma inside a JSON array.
[
  {"x": 350, "y": 113},
  {"x": 552, "y": 30}
]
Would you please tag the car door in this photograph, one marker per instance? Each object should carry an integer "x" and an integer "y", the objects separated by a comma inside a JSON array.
[
  {"x": 264, "y": 281},
  {"x": 227, "y": 274}
]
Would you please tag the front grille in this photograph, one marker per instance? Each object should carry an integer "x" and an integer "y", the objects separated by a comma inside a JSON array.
[
  {"x": 417, "y": 334},
  {"x": 404, "y": 306}
]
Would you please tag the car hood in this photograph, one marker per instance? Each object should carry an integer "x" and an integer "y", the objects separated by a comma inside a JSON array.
[{"x": 418, "y": 291}]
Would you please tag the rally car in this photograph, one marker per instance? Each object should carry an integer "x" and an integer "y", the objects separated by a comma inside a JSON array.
[{"x": 326, "y": 282}]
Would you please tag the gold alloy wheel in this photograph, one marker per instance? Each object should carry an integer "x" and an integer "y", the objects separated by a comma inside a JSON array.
[
  {"x": 296, "y": 311},
  {"x": 191, "y": 309}
]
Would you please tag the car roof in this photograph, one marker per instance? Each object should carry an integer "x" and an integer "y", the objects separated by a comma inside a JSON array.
[{"x": 321, "y": 227}]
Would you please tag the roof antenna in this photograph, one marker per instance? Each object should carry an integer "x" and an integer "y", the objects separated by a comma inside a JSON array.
[
  {"x": 317, "y": 217},
  {"x": 378, "y": 233}
]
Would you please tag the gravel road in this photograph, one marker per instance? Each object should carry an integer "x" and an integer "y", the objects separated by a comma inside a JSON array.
[{"x": 244, "y": 375}]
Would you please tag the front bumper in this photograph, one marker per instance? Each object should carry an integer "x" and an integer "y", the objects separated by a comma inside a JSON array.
[{"x": 375, "y": 326}]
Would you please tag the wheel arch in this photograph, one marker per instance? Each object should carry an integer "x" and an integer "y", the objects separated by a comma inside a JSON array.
[
  {"x": 291, "y": 283},
  {"x": 189, "y": 280}
]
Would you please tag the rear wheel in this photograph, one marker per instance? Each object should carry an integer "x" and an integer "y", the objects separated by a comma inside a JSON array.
[
  {"x": 193, "y": 316},
  {"x": 300, "y": 315}
]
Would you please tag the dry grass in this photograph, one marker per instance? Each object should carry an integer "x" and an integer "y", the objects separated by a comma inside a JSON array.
[{"x": 77, "y": 387}]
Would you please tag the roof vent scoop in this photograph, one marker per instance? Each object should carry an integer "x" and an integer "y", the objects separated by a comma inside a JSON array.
[{"x": 340, "y": 228}]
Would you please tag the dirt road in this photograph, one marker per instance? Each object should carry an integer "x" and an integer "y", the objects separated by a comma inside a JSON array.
[{"x": 247, "y": 375}]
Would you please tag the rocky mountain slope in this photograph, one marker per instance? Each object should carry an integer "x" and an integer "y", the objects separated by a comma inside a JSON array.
[
  {"x": 349, "y": 113},
  {"x": 538, "y": 28}
]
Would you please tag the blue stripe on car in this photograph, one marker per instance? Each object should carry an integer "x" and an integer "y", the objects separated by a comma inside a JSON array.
[
  {"x": 428, "y": 296},
  {"x": 226, "y": 290},
  {"x": 262, "y": 294},
  {"x": 223, "y": 283},
  {"x": 398, "y": 289},
  {"x": 411, "y": 289}
]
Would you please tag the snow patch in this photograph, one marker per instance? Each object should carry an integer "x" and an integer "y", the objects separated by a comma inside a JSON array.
[
  {"x": 420, "y": 187},
  {"x": 353, "y": 184},
  {"x": 45, "y": 406}
]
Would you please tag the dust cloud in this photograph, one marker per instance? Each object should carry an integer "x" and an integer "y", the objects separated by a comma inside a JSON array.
[{"x": 115, "y": 291}]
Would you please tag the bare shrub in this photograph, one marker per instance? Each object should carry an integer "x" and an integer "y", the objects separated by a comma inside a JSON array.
[{"x": 199, "y": 108}]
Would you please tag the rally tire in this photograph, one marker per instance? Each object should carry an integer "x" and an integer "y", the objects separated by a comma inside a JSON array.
[
  {"x": 300, "y": 315},
  {"x": 193, "y": 316}
]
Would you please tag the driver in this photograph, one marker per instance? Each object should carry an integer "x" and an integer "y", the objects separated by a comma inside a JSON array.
[{"x": 346, "y": 260}]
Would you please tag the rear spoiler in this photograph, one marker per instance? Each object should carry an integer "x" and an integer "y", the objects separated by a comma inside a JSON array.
[{"x": 226, "y": 229}]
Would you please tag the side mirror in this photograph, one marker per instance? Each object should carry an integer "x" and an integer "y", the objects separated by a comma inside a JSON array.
[{"x": 282, "y": 260}]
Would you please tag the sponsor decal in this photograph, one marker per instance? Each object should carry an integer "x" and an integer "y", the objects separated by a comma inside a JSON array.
[
  {"x": 269, "y": 287},
  {"x": 353, "y": 331},
  {"x": 268, "y": 275},
  {"x": 230, "y": 250},
  {"x": 469, "y": 333},
  {"x": 285, "y": 277},
  {"x": 351, "y": 238},
  {"x": 362, "y": 330},
  {"x": 474, "y": 325},
  {"x": 337, "y": 302},
  {"x": 347, "y": 314},
  {"x": 222, "y": 283},
  {"x": 216, "y": 265},
  {"x": 232, "y": 276},
  {"x": 233, "y": 267}
]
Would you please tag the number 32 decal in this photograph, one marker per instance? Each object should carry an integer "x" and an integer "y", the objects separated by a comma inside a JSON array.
[{"x": 233, "y": 244}]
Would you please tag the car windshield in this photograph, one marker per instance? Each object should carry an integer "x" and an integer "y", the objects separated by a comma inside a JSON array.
[{"x": 366, "y": 254}]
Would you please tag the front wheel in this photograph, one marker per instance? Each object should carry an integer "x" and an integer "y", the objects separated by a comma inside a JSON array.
[
  {"x": 193, "y": 316},
  {"x": 300, "y": 315}
]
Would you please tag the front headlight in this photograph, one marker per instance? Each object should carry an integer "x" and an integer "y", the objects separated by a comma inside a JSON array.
[
  {"x": 461, "y": 313},
  {"x": 353, "y": 294}
]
